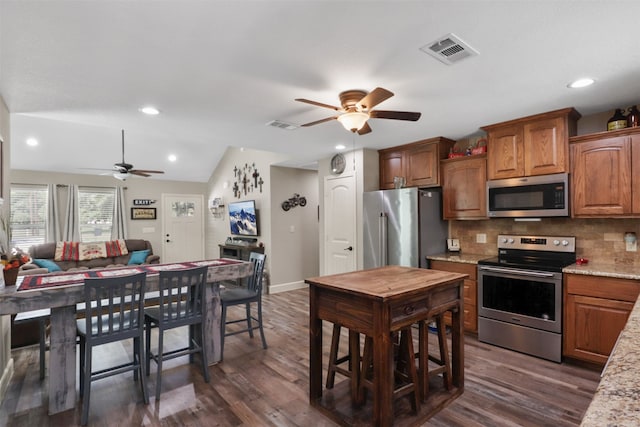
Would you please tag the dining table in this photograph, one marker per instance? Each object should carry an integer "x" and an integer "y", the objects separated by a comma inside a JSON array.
[
  {"x": 377, "y": 303},
  {"x": 61, "y": 292}
]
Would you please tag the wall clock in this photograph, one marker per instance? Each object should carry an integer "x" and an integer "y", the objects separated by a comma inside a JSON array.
[{"x": 337, "y": 164}]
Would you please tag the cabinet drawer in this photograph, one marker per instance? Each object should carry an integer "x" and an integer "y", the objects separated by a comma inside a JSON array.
[
  {"x": 456, "y": 267},
  {"x": 404, "y": 313},
  {"x": 602, "y": 287}
]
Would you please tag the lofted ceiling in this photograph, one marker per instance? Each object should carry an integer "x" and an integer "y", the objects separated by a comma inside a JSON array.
[{"x": 74, "y": 73}]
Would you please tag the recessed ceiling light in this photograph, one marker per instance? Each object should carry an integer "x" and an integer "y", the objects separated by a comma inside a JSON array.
[
  {"x": 32, "y": 142},
  {"x": 581, "y": 83},
  {"x": 152, "y": 111},
  {"x": 172, "y": 157},
  {"x": 340, "y": 147}
]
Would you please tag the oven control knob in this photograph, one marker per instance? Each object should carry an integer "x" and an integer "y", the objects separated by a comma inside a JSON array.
[
  {"x": 556, "y": 242},
  {"x": 511, "y": 240},
  {"x": 503, "y": 240},
  {"x": 565, "y": 243}
]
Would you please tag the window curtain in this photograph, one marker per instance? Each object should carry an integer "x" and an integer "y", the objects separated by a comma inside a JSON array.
[
  {"x": 53, "y": 218},
  {"x": 119, "y": 227},
  {"x": 71, "y": 227}
]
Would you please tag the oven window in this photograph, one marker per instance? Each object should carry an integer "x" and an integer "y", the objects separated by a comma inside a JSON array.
[{"x": 519, "y": 296}]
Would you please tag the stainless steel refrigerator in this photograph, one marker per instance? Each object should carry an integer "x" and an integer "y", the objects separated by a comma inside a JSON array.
[{"x": 402, "y": 226}]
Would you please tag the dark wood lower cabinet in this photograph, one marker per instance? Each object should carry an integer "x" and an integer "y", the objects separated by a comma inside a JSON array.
[
  {"x": 470, "y": 311},
  {"x": 596, "y": 310}
]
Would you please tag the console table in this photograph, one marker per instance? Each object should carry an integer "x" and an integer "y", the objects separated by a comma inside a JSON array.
[
  {"x": 378, "y": 302},
  {"x": 241, "y": 252}
]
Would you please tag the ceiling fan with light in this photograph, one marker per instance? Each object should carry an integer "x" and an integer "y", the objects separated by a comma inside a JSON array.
[
  {"x": 123, "y": 169},
  {"x": 357, "y": 109}
]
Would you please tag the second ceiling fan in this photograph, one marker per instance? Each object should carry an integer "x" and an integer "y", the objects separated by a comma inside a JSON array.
[{"x": 357, "y": 109}]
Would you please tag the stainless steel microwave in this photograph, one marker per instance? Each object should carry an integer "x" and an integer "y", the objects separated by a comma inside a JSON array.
[{"x": 532, "y": 196}]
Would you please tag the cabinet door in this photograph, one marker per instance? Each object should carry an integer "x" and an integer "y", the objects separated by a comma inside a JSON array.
[
  {"x": 463, "y": 188},
  {"x": 422, "y": 166},
  {"x": 546, "y": 147},
  {"x": 505, "y": 153},
  {"x": 601, "y": 177},
  {"x": 593, "y": 326},
  {"x": 392, "y": 164},
  {"x": 470, "y": 315},
  {"x": 635, "y": 177}
]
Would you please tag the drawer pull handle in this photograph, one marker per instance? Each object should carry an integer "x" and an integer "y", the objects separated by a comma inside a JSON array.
[{"x": 409, "y": 309}]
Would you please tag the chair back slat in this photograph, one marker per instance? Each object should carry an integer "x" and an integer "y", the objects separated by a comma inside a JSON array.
[
  {"x": 114, "y": 306},
  {"x": 182, "y": 294},
  {"x": 255, "y": 280}
]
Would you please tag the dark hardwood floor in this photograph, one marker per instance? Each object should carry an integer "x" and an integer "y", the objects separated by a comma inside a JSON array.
[{"x": 256, "y": 387}]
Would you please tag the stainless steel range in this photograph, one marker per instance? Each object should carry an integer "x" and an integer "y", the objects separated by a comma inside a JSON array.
[{"x": 520, "y": 294}]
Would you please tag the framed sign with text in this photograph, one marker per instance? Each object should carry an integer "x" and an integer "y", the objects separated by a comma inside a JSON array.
[{"x": 143, "y": 213}]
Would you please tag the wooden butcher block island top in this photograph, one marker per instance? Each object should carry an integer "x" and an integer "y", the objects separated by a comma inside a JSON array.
[{"x": 376, "y": 303}]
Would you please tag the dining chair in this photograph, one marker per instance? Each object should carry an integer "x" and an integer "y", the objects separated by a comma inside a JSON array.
[
  {"x": 181, "y": 302},
  {"x": 113, "y": 312},
  {"x": 252, "y": 293}
]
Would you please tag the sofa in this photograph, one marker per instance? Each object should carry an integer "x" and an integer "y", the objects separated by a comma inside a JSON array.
[
  {"x": 45, "y": 253},
  {"x": 27, "y": 332}
]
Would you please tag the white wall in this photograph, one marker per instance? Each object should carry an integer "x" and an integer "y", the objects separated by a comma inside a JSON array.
[
  {"x": 221, "y": 185},
  {"x": 136, "y": 188},
  {"x": 294, "y": 243},
  {"x": 6, "y": 362}
]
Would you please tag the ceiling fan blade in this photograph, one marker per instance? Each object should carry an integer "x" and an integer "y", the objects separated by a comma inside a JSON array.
[
  {"x": 395, "y": 115},
  {"x": 139, "y": 173},
  {"x": 147, "y": 171},
  {"x": 317, "y": 122},
  {"x": 317, "y": 104},
  {"x": 364, "y": 129},
  {"x": 374, "y": 98}
]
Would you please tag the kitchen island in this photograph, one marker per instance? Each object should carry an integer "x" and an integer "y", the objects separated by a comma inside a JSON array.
[{"x": 378, "y": 302}]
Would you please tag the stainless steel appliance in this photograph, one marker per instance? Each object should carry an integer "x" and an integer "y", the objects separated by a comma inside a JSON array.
[
  {"x": 402, "y": 226},
  {"x": 532, "y": 196},
  {"x": 520, "y": 294}
]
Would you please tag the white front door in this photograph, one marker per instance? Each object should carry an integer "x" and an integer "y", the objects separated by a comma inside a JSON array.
[
  {"x": 182, "y": 227},
  {"x": 340, "y": 224}
]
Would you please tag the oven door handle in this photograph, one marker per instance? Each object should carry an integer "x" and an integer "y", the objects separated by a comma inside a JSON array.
[{"x": 519, "y": 272}]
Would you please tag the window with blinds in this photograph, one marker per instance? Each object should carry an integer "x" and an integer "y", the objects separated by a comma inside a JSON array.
[
  {"x": 28, "y": 220},
  {"x": 95, "y": 206}
]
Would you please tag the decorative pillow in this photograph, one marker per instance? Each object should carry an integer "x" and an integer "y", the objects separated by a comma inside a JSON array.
[
  {"x": 116, "y": 248},
  {"x": 48, "y": 264},
  {"x": 92, "y": 251},
  {"x": 67, "y": 251},
  {"x": 138, "y": 257}
]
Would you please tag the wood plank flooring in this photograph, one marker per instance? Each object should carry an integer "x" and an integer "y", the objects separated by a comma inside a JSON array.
[{"x": 256, "y": 387}]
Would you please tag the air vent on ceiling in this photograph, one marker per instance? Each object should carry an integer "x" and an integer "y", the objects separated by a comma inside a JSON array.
[
  {"x": 282, "y": 125},
  {"x": 449, "y": 49}
]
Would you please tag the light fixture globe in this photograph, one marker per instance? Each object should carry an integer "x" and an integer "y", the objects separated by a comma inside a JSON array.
[
  {"x": 122, "y": 176},
  {"x": 353, "y": 121}
]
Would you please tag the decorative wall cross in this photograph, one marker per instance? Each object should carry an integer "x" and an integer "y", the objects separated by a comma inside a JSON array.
[{"x": 242, "y": 183}]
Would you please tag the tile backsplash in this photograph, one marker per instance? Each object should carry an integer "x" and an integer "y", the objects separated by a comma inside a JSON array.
[{"x": 599, "y": 240}]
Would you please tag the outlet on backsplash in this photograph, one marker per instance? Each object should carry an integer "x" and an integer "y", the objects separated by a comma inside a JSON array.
[
  {"x": 481, "y": 238},
  {"x": 631, "y": 242}
]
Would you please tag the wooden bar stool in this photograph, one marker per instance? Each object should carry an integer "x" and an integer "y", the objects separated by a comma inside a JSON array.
[
  {"x": 405, "y": 375},
  {"x": 443, "y": 361},
  {"x": 352, "y": 358}
]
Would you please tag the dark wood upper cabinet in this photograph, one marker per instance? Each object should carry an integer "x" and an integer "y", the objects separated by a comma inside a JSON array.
[
  {"x": 534, "y": 145},
  {"x": 418, "y": 163}
]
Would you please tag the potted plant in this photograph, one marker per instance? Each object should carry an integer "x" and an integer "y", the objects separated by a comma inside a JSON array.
[{"x": 11, "y": 262}]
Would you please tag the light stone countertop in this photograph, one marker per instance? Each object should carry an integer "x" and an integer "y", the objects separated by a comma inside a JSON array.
[
  {"x": 617, "y": 399},
  {"x": 618, "y": 271},
  {"x": 460, "y": 257}
]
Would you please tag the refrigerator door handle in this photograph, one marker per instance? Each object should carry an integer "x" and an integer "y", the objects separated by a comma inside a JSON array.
[{"x": 382, "y": 224}]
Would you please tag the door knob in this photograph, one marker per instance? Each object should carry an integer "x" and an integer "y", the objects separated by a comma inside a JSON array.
[{"x": 350, "y": 248}]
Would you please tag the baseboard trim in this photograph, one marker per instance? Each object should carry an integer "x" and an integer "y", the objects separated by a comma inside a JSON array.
[
  {"x": 284, "y": 287},
  {"x": 6, "y": 378}
]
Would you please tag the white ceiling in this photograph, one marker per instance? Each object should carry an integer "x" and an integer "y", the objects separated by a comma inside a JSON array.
[{"x": 73, "y": 73}]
